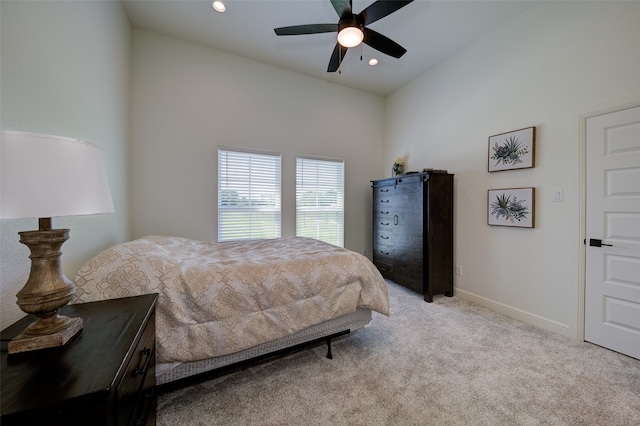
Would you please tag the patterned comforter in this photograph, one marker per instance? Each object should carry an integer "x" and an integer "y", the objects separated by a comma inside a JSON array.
[{"x": 220, "y": 298}]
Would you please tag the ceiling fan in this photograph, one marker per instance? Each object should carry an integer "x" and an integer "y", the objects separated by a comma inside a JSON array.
[{"x": 352, "y": 29}]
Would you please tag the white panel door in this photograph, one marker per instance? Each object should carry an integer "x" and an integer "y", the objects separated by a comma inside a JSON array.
[{"x": 612, "y": 293}]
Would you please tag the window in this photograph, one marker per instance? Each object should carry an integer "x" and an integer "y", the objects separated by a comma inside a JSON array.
[
  {"x": 320, "y": 199},
  {"x": 248, "y": 194}
]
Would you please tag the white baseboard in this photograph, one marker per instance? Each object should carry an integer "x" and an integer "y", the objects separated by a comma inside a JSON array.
[{"x": 518, "y": 314}]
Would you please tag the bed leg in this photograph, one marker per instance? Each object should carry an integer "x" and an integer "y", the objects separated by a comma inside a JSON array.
[{"x": 329, "y": 354}]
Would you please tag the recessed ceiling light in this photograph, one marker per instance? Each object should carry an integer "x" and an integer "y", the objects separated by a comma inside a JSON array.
[
  {"x": 219, "y": 6},
  {"x": 373, "y": 62}
]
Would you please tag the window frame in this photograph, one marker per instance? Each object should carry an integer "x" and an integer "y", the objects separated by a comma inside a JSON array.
[
  {"x": 257, "y": 212},
  {"x": 338, "y": 211}
]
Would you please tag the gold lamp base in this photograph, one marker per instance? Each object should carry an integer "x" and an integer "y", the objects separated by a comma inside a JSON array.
[{"x": 46, "y": 291}]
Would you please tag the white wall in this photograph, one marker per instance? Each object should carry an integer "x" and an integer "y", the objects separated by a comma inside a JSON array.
[
  {"x": 65, "y": 71},
  {"x": 545, "y": 68},
  {"x": 188, "y": 99}
]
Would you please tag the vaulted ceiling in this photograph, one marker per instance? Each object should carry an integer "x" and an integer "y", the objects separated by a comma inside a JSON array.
[{"x": 431, "y": 31}]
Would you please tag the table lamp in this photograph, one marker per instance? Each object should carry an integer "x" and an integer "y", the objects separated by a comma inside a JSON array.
[{"x": 44, "y": 176}]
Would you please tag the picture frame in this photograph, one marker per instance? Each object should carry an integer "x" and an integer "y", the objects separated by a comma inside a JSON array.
[
  {"x": 511, "y": 207},
  {"x": 512, "y": 150}
]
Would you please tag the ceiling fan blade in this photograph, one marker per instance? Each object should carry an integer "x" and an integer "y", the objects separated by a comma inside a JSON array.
[
  {"x": 306, "y": 29},
  {"x": 380, "y": 9},
  {"x": 342, "y": 7},
  {"x": 382, "y": 43},
  {"x": 336, "y": 58}
]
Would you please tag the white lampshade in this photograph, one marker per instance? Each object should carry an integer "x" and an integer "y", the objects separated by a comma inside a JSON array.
[
  {"x": 350, "y": 36},
  {"x": 44, "y": 176}
]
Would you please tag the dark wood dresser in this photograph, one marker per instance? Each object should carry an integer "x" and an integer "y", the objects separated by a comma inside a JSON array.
[
  {"x": 413, "y": 231},
  {"x": 103, "y": 376}
]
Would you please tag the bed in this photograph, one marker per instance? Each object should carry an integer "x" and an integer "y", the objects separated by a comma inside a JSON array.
[{"x": 222, "y": 303}]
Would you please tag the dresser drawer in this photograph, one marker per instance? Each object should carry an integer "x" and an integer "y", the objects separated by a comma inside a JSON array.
[
  {"x": 384, "y": 238},
  {"x": 382, "y": 213},
  {"x": 139, "y": 373},
  {"x": 384, "y": 263},
  {"x": 383, "y": 203},
  {"x": 145, "y": 410},
  {"x": 382, "y": 191},
  {"x": 383, "y": 196},
  {"x": 383, "y": 224}
]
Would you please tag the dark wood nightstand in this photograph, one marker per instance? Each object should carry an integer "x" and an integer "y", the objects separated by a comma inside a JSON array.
[{"x": 104, "y": 376}]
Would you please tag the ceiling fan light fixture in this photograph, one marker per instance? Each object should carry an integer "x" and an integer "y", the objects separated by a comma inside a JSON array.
[
  {"x": 373, "y": 62},
  {"x": 350, "y": 36},
  {"x": 219, "y": 6},
  {"x": 353, "y": 29}
]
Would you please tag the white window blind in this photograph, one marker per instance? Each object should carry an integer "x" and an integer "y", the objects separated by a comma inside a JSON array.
[
  {"x": 248, "y": 195},
  {"x": 320, "y": 199}
]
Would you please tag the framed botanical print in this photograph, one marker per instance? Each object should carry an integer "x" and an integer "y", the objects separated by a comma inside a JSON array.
[
  {"x": 511, "y": 207},
  {"x": 512, "y": 150}
]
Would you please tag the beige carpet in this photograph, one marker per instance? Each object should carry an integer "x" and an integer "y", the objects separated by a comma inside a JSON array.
[{"x": 450, "y": 362}]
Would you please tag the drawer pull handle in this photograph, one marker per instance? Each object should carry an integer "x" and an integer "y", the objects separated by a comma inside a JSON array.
[
  {"x": 385, "y": 224},
  {"x": 395, "y": 219},
  {"x": 384, "y": 212},
  {"x": 384, "y": 190},
  {"x": 146, "y": 353},
  {"x": 383, "y": 237},
  {"x": 384, "y": 252},
  {"x": 384, "y": 201}
]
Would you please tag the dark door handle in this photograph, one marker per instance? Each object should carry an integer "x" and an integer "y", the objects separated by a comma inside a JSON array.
[{"x": 598, "y": 243}]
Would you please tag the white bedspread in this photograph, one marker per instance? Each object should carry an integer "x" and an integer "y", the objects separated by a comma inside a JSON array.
[{"x": 219, "y": 298}]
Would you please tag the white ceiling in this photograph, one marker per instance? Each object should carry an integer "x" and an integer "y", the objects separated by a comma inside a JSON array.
[{"x": 430, "y": 31}]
